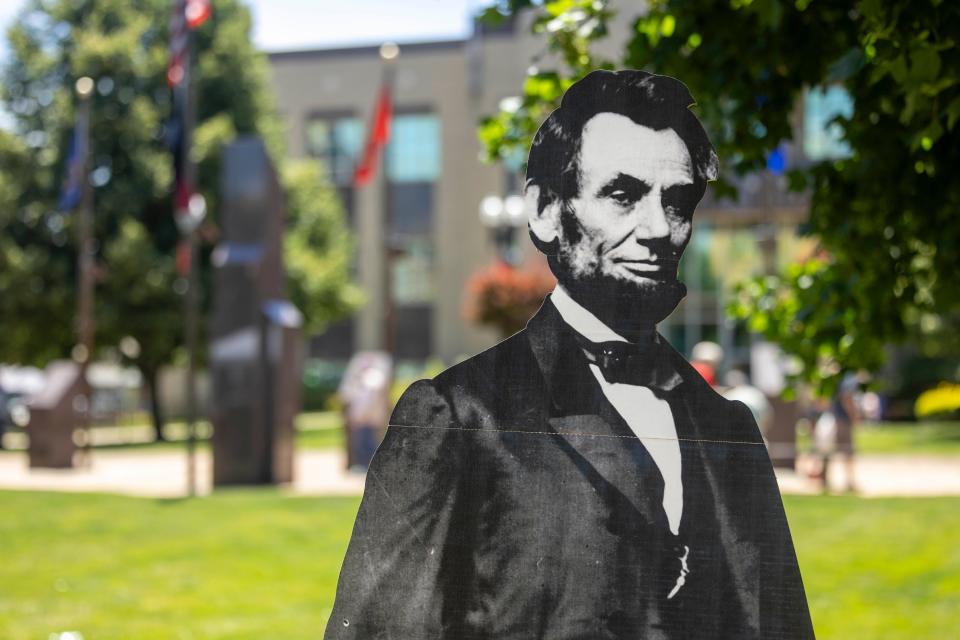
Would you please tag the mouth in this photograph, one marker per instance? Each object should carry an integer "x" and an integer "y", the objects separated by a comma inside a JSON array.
[{"x": 653, "y": 269}]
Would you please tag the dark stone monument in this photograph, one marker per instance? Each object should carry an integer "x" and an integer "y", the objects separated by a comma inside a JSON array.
[
  {"x": 54, "y": 416},
  {"x": 255, "y": 348}
]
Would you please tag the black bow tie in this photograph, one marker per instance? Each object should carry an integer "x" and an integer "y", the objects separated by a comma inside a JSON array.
[{"x": 643, "y": 363}]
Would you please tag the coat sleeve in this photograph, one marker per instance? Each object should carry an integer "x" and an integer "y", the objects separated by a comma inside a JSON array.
[
  {"x": 397, "y": 567},
  {"x": 781, "y": 604}
]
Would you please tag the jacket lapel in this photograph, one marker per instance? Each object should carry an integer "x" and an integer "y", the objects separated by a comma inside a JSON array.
[
  {"x": 594, "y": 435},
  {"x": 587, "y": 427},
  {"x": 710, "y": 439}
]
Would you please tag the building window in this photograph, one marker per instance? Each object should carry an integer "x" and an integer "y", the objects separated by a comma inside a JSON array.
[
  {"x": 337, "y": 142},
  {"x": 412, "y": 272},
  {"x": 822, "y": 137},
  {"x": 411, "y": 208},
  {"x": 414, "y": 332},
  {"x": 413, "y": 153},
  {"x": 412, "y": 165}
]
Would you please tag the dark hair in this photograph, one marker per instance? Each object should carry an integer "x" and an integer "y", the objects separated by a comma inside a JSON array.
[{"x": 658, "y": 102}]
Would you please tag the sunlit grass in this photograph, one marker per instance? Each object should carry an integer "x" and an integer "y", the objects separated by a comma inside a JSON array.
[
  {"x": 315, "y": 430},
  {"x": 880, "y": 568},
  {"x": 245, "y": 564},
  {"x": 257, "y": 564},
  {"x": 905, "y": 438}
]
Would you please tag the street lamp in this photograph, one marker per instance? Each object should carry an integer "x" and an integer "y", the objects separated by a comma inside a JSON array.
[{"x": 503, "y": 216}]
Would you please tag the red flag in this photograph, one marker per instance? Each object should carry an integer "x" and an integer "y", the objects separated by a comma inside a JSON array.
[
  {"x": 379, "y": 134},
  {"x": 197, "y": 12}
]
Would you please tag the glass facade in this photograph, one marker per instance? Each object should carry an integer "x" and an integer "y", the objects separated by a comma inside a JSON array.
[
  {"x": 412, "y": 273},
  {"x": 337, "y": 140},
  {"x": 718, "y": 259},
  {"x": 413, "y": 165},
  {"x": 823, "y": 138},
  {"x": 413, "y": 153}
]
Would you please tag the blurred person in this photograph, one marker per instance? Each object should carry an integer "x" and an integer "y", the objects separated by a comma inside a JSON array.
[
  {"x": 740, "y": 389},
  {"x": 871, "y": 406},
  {"x": 365, "y": 392},
  {"x": 367, "y": 413},
  {"x": 4, "y": 415},
  {"x": 846, "y": 416},
  {"x": 580, "y": 479},
  {"x": 705, "y": 358}
]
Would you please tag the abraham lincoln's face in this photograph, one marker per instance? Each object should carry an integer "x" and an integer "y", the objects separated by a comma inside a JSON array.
[{"x": 622, "y": 236}]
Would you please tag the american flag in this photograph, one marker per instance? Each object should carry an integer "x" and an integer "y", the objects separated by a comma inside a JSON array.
[
  {"x": 76, "y": 164},
  {"x": 187, "y": 15}
]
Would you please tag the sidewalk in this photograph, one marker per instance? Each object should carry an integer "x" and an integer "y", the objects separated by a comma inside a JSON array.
[
  {"x": 882, "y": 475},
  {"x": 321, "y": 472},
  {"x": 164, "y": 474}
]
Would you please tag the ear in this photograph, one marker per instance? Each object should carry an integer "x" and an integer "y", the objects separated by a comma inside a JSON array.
[
  {"x": 712, "y": 170},
  {"x": 545, "y": 223}
]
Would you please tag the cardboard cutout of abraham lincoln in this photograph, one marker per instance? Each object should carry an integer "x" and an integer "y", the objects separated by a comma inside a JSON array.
[{"x": 579, "y": 480}]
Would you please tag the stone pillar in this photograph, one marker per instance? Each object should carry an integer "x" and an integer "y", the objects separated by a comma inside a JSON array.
[{"x": 255, "y": 349}]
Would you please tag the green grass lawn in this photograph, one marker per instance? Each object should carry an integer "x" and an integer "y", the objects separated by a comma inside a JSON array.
[
  {"x": 257, "y": 564},
  {"x": 315, "y": 430},
  {"x": 919, "y": 438}
]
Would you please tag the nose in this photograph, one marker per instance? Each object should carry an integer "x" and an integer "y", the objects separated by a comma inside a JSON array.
[{"x": 651, "y": 220}]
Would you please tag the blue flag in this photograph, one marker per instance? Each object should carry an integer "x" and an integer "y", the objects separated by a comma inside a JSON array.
[{"x": 76, "y": 163}]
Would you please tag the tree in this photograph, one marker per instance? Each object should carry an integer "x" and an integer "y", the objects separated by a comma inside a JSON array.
[
  {"x": 123, "y": 45},
  {"x": 884, "y": 216}
]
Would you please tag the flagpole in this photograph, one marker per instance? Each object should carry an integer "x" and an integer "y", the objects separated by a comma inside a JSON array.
[
  {"x": 85, "y": 281},
  {"x": 189, "y": 205},
  {"x": 191, "y": 297},
  {"x": 389, "y": 52}
]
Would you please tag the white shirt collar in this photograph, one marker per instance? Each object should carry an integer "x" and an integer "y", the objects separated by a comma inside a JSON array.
[{"x": 581, "y": 320}]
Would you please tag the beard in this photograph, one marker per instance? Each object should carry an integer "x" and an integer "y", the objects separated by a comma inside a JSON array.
[{"x": 630, "y": 306}]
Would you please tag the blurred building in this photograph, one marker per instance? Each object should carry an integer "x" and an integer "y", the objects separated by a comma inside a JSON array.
[{"x": 417, "y": 224}]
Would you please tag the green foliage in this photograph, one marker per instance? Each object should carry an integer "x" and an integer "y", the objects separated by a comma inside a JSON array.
[
  {"x": 821, "y": 336},
  {"x": 123, "y": 45},
  {"x": 569, "y": 26},
  {"x": 884, "y": 217},
  {"x": 317, "y": 247}
]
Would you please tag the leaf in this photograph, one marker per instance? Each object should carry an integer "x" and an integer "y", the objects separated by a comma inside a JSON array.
[
  {"x": 924, "y": 65},
  {"x": 898, "y": 69},
  {"x": 953, "y": 113}
]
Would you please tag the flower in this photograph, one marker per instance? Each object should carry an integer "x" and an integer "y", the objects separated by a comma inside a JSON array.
[{"x": 505, "y": 297}]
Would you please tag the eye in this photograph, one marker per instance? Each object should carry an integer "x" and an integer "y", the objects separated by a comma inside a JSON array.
[
  {"x": 679, "y": 200},
  {"x": 625, "y": 191}
]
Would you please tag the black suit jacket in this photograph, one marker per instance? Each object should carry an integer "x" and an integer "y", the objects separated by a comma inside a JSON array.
[{"x": 509, "y": 500}]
